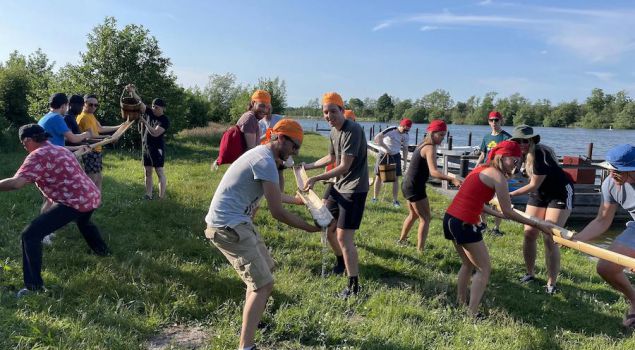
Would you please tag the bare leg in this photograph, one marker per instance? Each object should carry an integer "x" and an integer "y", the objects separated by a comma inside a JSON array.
[
  {"x": 408, "y": 222},
  {"x": 148, "y": 179},
  {"x": 97, "y": 179},
  {"x": 479, "y": 257},
  {"x": 347, "y": 243},
  {"x": 255, "y": 302},
  {"x": 395, "y": 189},
  {"x": 422, "y": 209},
  {"x": 529, "y": 243},
  {"x": 331, "y": 236},
  {"x": 614, "y": 275},
  {"x": 463, "y": 277},
  {"x": 552, "y": 251},
  {"x": 378, "y": 184},
  {"x": 163, "y": 182}
]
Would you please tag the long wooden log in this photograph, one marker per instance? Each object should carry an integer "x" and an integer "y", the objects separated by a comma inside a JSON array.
[
  {"x": 114, "y": 138},
  {"x": 566, "y": 237},
  {"x": 313, "y": 202}
]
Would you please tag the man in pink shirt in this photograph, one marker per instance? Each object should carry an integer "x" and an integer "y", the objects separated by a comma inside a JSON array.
[{"x": 60, "y": 178}]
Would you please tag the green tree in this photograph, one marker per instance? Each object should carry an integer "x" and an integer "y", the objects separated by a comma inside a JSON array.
[
  {"x": 438, "y": 104},
  {"x": 14, "y": 90},
  {"x": 626, "y": 118},
  {"x": 221, "y": 91},
  {"x": 278, "y": 90},
  {"x": 565, "y": 114},
  {"x": 417, "y": 114},
  {"x": 240, "y": 104},
  {"x": 357, "y": 106},
  {"x": 384, "y": 108},
  {"x": 197, "y": 108},
  {"x": 401, "y": 107},
  {"x": 40, "y": 82}
]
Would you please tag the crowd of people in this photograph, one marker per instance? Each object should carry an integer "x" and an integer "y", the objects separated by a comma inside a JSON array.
[{"x": 72, "y": 193}]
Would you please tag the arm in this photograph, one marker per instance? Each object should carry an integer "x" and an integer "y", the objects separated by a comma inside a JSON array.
[
  {"x": 430, "y": 154},
  {"x": 250, "y": 140},
  {"x": 12, "y": 183},
  {"x": 599, "y": 225},
  {"x": 77, "y": 138},
  {"x": 156, "y": 131},
  {"x": 274, "y": 200},
  {"x": 379, "y": 141},
  {"x": 341, "y": 169},
  {"x": 534, "y": 182},
  {"x": 322, "y": 162},
  {"x": 480, "y": 159},
  {"x": 107, "y": 129}
]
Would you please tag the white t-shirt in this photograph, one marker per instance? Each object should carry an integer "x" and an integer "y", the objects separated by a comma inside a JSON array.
[
  {"x": 265, "y": 124},
  {"x": 394, "y": 140},
  {"x": 240, "y": 189}
]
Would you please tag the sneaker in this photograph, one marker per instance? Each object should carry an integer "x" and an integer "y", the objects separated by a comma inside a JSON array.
[
  {"x": 482, "y": 226},
  {"x": 347, "y": 292},
  {"x": 551, "y": 289},
  {"x": 147, "y": 197},
  {"x": 396, "y": 204},
  {"x": 496, "y": 232},
  {"x": 48, "y": 240},
  {"x": 26, "y": 292},
  {"x": 403, "y": 243},
  {"x": 374, "y": 200},
  {"x": 527, "y": 278}
]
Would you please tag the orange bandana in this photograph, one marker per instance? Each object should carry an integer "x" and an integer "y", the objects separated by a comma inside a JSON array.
[
  {"x": 261, "y": 96},
  {"x": 289, "y": 127},
  {"x": 332, "y": 97}
]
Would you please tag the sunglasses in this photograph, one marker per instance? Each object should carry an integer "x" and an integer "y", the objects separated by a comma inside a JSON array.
[
  {"x": 92, "y": 105},
  {"x": 522, "y": 141},
  {"x": 296, "y": 146},
  {"x": 495, "y": 120}
]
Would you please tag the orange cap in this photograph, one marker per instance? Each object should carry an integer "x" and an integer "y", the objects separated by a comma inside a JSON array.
[
  {"x": 290, "y": 128},
  {"x": 332, "y": 97},
  {"x": 261, "y": 96},
  {"x": 349, "y": 114}
]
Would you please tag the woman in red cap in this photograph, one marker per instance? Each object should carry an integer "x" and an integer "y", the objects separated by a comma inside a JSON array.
[
  {"x": 423, "y": 164},
  {"x": 461, "y": 221}
]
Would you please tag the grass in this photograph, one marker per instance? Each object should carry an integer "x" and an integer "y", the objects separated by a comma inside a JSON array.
[{"x": 163, "y": 272}]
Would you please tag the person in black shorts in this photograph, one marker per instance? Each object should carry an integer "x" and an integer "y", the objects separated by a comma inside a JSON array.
[
  {"x": 551, "y": 197},
  {"x": 422, "y": 164},
  {"x": 347, "y": 197},
  {"x": 154, "y": 125}
]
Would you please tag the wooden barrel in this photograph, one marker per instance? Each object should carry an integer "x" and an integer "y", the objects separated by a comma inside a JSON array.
[
  {"x": 388, "y": 172},
  {"x": 130, "y": 107}
]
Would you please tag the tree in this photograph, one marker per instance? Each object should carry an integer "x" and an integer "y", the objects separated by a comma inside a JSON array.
[
  {"x": 278, "y": 90},
  {"x": 438, "y": 103},
  {"x": 221, "y": 91},
  {"x": 384, "y": 108},
  {"x": 417, "y": 114},
  {"x": 479, "y": 112},
  {"x": 357, "y": 106},
  {"x": 626, "y": 118},
  {"x": 565, "y": 114},
  {"x": 240, "y": 104},
  {"x": 400, "y": 108},
  {"x": 40, "y": 82},
  {"x": 14, "y": 91},
  {"x": 594, "y": 116}
]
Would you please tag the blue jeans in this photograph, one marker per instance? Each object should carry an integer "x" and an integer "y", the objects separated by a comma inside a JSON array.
[{"x": 52, "y": 220}]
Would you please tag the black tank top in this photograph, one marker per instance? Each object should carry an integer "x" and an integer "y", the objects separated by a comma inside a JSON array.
[{"x": 418, "y": 173}]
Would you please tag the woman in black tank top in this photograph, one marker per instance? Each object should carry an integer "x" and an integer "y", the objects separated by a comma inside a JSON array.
[{"x": 423, "y": 164}]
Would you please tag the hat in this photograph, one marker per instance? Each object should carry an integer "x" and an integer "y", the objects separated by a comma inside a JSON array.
[
  {"x": 525, "y": 132},
  {"x": 349, "y": 114},
  {"x": 506, "y": 149},
  {"x": 261, "y": 96},
  {"x": 332, "y": 97},
  {"x": 620, "y": 158},
  {"x": 158, "y": 102},
  {"x": 437, "y": 125},
  {"x": 31, "y": 130},
  {"x": 494, "y": 115},
  {"x": 57, "y": 100},
  {"x": 76, "y": 99},
  {"x": 290, "y": 128},
  {"x": 406, "y": 122}
]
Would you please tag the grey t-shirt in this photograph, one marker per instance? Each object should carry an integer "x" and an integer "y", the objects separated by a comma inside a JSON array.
[
  {"x": 240, "y": 189},
  {"x": 351, "y": 141},
  {"x": 623, "y": 195}
]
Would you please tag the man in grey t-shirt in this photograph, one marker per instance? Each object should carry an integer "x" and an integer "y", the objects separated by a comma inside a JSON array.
[
  {"x": 347, "y": 198},
  {"x": 617, "y": 189},
  {"x": 229, "y": 220}
]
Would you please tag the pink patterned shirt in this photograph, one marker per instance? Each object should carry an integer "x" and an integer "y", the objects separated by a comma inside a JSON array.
[{"x": 60, "y": 178}]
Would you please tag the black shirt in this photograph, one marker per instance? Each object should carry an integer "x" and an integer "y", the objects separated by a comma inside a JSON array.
[
  {"x": 154, "y": 121},
  {"x": 556, "y": 179},
  {"x": 71, "y": 121}
]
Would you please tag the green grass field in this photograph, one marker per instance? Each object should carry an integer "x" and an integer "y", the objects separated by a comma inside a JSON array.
[{"x": 163, "y": 275}]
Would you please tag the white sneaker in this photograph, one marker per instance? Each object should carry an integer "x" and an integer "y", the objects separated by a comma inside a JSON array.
[{"x": 48, "y": 240}]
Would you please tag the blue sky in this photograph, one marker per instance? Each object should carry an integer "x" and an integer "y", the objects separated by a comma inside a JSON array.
[{"x": 558, "y": 50}]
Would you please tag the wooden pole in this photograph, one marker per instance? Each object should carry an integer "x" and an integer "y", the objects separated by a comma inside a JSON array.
[
  {"x": 449, "y": 143},
  {"x": 416, "y": 136},
  {"x": 316, "y": 127},
  {"x": 589, "y": 151},
  {"x": 469, "y": 139}
]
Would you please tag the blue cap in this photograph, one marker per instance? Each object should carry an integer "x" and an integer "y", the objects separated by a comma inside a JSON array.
[{"x": 620, "y": 158}]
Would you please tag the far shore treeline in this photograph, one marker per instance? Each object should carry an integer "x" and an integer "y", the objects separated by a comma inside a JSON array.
[{"x": 115, "y": 57}]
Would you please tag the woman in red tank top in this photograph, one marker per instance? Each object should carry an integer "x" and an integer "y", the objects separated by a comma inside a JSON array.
[{"x": 460, "y": 224}]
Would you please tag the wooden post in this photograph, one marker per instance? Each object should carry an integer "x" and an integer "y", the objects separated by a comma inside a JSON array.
[
  {"x": 465, "y": 167},
  {"x": 469, "y": 139},
  {"x": 444, "y": 183},
  {"x": 316, "y": 127},
  {"x": 589, "y": 151},
  {"x": 449, "y": 143},
  {"x": 416, "y": 136},
  {"x": 379, "y": 127}
]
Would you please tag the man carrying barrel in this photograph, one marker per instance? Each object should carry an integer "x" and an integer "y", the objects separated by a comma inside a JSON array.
[{"x": 393, "y": 149}]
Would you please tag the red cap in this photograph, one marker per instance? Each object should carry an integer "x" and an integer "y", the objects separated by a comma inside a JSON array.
[
  {"x": 495, "y": 114},
  {"x": 437, "y": 125},
  {"x": 506, "y": 149},
  {"x": 406, "y": 122}
]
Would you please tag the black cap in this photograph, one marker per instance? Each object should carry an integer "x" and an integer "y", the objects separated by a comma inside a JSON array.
[
  {"x": 57, "y": 100},
  {"x": 158, "y": 102},
  {"x": 32, "y": 131},
  {"x": 76, "y": 99}
]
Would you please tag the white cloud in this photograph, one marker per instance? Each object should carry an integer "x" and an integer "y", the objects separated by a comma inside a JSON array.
[
  {"x": 428, "y": 28},
  {"x": 604, "y": 76},
  {"x": 381, "y": 26},
  {"x": 485, "y": 2}
]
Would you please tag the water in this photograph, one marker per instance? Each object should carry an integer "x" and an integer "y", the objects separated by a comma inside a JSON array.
[{"x": 565, "y": 141}]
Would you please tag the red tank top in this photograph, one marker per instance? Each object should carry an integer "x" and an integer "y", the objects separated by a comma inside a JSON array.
[{"x": 468, "y": 204}]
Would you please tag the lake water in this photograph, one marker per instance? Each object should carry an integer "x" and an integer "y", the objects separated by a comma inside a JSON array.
[{"x": 565, "y": 141}]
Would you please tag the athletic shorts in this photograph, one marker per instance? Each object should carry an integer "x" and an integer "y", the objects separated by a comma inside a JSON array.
[
  {"x": 382, "y": 158},
  {"x": 627, "y": 237},
  {"x": 461, "y": 232},
  {"x": 327, "y": 190},
  {"x": 563, "y": 200},
  {"x": 346, "y": 208},
  {"x": 413, "y": 194},
  {"x": 154, "y": 157},
  {"x": 92, "y": 162},
  {"x": 246, "y": 252}
]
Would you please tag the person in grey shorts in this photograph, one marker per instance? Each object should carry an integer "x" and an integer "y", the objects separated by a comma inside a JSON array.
[
  {"x": 229, "y": 220},
  {"x": 617, "y": 190}
]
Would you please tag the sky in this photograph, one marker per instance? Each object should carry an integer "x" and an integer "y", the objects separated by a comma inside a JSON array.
[{"x": 558, "y": 50}]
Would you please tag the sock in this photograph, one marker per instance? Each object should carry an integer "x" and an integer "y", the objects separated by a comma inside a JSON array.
[
  {"x": 340, "y": 260},
  {"x": 353, "y": 284}
]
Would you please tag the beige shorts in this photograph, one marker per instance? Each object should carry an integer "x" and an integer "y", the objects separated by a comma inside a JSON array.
[{"x": 246, "y": 251}]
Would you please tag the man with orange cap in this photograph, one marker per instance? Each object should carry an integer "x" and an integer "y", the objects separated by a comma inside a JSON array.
[
  {"x": 259, "y": 107},
  {"x": 347, "y": 198},
  {"x": 229, "y": 220},
  {"x": 391, "y": 141}
]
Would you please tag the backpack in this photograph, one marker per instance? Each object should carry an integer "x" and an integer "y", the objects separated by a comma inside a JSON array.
[{"x": 232, "y": 146}]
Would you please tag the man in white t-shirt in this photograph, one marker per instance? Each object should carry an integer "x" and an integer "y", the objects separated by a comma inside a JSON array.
[
  {"x": 392, "y": 141},
  {"x": 229, "y": 220}
]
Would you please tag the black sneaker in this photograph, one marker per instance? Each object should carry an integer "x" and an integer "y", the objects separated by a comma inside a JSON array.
[
  {"x": 26, "y": 292},
  {"x": 496, "y": 232},
  {"x": 527, "y": 278},
  {"x": 551, "y": 289},
  {"x": 348, "y": 292}
]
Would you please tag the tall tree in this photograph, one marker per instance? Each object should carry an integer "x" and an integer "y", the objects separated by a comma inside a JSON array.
[
  {"x": 277, "y": 88},
  {"x": 384, "y": 108}
]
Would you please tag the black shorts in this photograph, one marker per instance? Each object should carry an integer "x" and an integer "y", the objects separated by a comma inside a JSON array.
[
  {"x": 413, "y": 194},
  {"x": 461, "y": 232},
  {"x": 327, "y": 190},
  {"x": 563, "y": 200},
  {"x": 347, "y": 208},
  {"x": 154, "y": 157},
  {"x": 382, "y": 158},
  {"x": 92, "y": 162}
]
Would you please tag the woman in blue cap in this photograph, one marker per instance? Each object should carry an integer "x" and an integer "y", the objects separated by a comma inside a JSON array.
[{"x": 617, "y": 190}]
